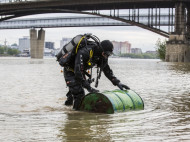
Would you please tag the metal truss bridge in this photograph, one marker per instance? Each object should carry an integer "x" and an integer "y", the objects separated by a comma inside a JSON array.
[
  {"x": 147, "y": 14},
  {"x": 136, "y": 11},
  {"x": 77, "y": 21}
]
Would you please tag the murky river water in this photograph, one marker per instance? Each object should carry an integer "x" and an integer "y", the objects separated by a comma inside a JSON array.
[{"x": 32, "y": 94}]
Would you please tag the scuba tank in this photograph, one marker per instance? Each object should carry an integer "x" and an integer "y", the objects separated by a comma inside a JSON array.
[{"x": 69, "y": 47}]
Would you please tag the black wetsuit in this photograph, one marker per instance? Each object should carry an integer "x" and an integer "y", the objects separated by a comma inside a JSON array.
[{"x": 74, "y": 73}]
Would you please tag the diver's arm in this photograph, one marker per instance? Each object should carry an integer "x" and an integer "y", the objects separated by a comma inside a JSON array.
[{"x": 109, "y": 74}]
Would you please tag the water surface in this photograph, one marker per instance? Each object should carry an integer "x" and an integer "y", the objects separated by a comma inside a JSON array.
[{"x": 32, "y": 94}]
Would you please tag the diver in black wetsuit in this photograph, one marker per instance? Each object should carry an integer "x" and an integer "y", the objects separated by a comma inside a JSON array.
[{"x": 91, "y": 55}]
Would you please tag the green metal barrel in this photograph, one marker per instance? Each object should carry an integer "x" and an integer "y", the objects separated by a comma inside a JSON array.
[{"x": 112, "y": 101}]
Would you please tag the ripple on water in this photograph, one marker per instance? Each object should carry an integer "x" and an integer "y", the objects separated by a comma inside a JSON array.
[{"x": 33, "y": 94}]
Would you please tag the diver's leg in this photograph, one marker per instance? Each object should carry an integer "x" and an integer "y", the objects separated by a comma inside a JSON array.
[{"x": 69, "y": 100}]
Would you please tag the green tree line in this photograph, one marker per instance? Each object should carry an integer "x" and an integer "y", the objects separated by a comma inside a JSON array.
[{"x": 8, "y": 51}]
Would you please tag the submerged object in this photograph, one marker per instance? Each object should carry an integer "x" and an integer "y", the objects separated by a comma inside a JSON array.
[{"x": 112, "y": 101}]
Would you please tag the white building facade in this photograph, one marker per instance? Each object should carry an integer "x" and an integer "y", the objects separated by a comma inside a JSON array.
[
  {"x": 121, "y": 47},
  {"x": 24, "y": 44}
]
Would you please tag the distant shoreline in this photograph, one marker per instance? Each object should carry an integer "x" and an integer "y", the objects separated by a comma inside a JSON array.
[{"x": 2, "y": 55}]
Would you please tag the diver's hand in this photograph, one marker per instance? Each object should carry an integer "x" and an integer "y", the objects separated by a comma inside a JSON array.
[
  {"x": 92, "y": 90},
  {"x": 86, "y": 85},
  {"x": 121, "y": 86}
]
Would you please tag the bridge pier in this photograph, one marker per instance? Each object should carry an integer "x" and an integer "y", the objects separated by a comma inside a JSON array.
[
  {"x": 178, "y": 46},
  {"x": 188, "y": 22},
  {"x": 37, "y": 43}
]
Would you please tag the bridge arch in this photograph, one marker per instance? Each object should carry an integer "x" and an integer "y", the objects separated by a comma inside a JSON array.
[{"x": 21, "y": 13}]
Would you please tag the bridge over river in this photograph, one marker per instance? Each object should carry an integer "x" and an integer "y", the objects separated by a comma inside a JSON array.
[
  {"x": 75, "y": 21},
  {"x": 178, "y": 21}
]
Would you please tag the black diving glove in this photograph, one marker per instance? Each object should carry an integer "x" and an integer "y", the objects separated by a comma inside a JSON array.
[
  {"x": 86, "y": 85},
  {"x": 121, "y": 86},
  {"x": 92, "y": 90}
]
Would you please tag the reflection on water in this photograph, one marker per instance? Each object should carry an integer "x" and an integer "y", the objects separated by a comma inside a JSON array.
[
  {"x": 32, "y": 61},
  {"x": 85, "y": 127},
  {"x": 33, "y": 92},
  {"x": 181, "y": 67}
]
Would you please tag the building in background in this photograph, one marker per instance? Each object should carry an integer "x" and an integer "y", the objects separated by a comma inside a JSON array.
[
  {"x": 49, "y": 52},
  {"x": 14, "y": 46},
  {"x": 24, "y": 44},
  {"x": 64, "y": 41},
  {"x": 121, "y": 47},
  {"x": 50, "y": 45},
  {"x": 152, "y": 52},
  {"x": 136, "y": 51},
  {"x": 49, "y": 49}
]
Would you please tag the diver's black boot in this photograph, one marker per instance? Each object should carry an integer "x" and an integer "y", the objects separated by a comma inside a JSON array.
[
  {"x": 77, "y": 101},
  {"x": 69, "y": 101},
  {"x": 76, "y": 104}
]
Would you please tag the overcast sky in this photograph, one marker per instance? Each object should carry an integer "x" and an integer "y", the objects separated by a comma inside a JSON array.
[{"x": 138, "y": 37}]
